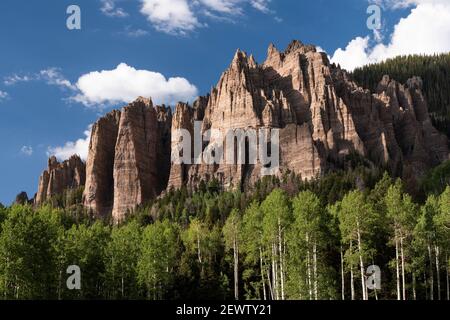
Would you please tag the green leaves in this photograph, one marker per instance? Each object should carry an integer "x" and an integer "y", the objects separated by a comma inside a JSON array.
[{"x": 158, "y": 259}]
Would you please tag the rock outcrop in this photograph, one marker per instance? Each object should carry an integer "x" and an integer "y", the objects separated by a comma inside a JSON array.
[
  {"x": 129, "y": 158},
  {"x": 320, "y": 114},
  {"x": 69, "y": 174},
  {"x": 22, "y": 199}
]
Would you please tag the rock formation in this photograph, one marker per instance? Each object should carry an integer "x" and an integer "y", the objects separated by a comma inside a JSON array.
[
  {"x": 22, "y": 199},
  {"x": 322, "y": 116},
  {"x": 320, "y": 113},
  {"x": 58, "y": 177},
  {"x": 129, "y": 158}
]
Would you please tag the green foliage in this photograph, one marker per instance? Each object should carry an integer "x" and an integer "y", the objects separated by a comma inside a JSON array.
[
  {"x": 280, "y": 239},
  {"x": 28, "y": 266},
  {"x": 158, "y": 261},
  {"x": 437, "y": 179},
  {"x": 121, "y": 259}
]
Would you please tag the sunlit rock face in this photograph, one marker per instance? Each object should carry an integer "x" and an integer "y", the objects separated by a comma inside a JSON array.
[{"x": 321, "y": 116}]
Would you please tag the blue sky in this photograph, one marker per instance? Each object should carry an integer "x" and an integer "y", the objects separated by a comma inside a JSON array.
[{"x": 49, "y": 94}]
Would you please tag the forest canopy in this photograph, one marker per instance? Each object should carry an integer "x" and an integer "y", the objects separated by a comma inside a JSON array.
[{"x": 282, "y": 239}]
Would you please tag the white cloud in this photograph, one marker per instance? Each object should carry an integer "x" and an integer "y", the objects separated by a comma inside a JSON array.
[
  {"x": 51, "y": 76},
  {"x": 110, "y": 9},
  {"x": 426, "y": 30},
  {"x": 174, "y": 16},
  {"x": 54, "y": 77},
  {"x": 134, "y": 33},
  {"x": 79, "y": 147},
  {"x": 180, "y": 17},
  {"x": 3, "y": 95},
  {"x": 15, "y": 78},
  {"x": 26, "y": 150},
  {"x": 261, "y": 5},
  {"x": 125, "y": 84}
]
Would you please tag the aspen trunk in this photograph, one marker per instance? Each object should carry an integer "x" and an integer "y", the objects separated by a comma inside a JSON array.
[
  {"x": 438, "y": 276},
  {"x": 361, "y": 265},
  {"x": 308, "y": 264},
  {"x": 281, "y": 259},
  {"x": 403, "y": 268},
  {"x": 262, "y": 274},
  {"x": 397, "y": 266},
  {"x": 352, "y": 284},
  {"x": 236, "y": 269},
  {"x": 447, "y": 277},
  {"x": 272, "y": 295},
  {"x": 431, "y": 273},
  {"x": 275, "y": 272},
  {"x": 315, "y": 270},
  {"x": 342, "y": 275}
]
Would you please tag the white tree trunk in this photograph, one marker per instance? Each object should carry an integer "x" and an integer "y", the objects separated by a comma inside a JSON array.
[
  {"x": 397, "y": 266},
  {"x": 352, "y": 284},
  {"x": 447, "y": 277},
  {"x": 403, "y": 267},
  {"x": 262, "y": 274},
  {"x": 236, "y": 269},
  {"x": 342, "y": 275},
  {"x": 361, "y": 264},
  {"x": 275, "y": 272},
  {"x": 280, "y": 248},
  {"x": 315, "y": 270},
  {"x": 438, "y": 276},
  {"x": 431, "y": 273},
  {"x": 308, "y": 264}
]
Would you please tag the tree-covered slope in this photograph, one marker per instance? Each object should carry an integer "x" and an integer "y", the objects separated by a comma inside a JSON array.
[{"x": 282, "y": 239}]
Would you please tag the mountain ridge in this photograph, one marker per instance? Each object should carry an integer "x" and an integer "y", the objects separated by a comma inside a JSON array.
[{"x": 321, "y": 114}]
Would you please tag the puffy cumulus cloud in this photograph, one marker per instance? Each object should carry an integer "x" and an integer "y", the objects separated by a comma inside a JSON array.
[
  {"x": 174, "y": 16},
  {"x": 70, "y": 148},
  {"x": 183, "y": 16},
  {"x": 125, "y": 84},
  {"x": 426, "y": 30},
  {"x": 27, "y": 151}
]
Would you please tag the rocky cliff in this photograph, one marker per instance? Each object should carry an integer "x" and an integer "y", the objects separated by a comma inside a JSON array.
[
  {"x": 129, "y": 158},
  {"x": 321, "y": 114},
  {"x": 58, "y": 177}
]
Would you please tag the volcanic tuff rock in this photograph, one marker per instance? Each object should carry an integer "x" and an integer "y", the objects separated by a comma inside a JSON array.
[
  {"x": 129, "y": 158},
  {"x": 58, "y": 177},
  {"x": 321, "y": 114}
]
